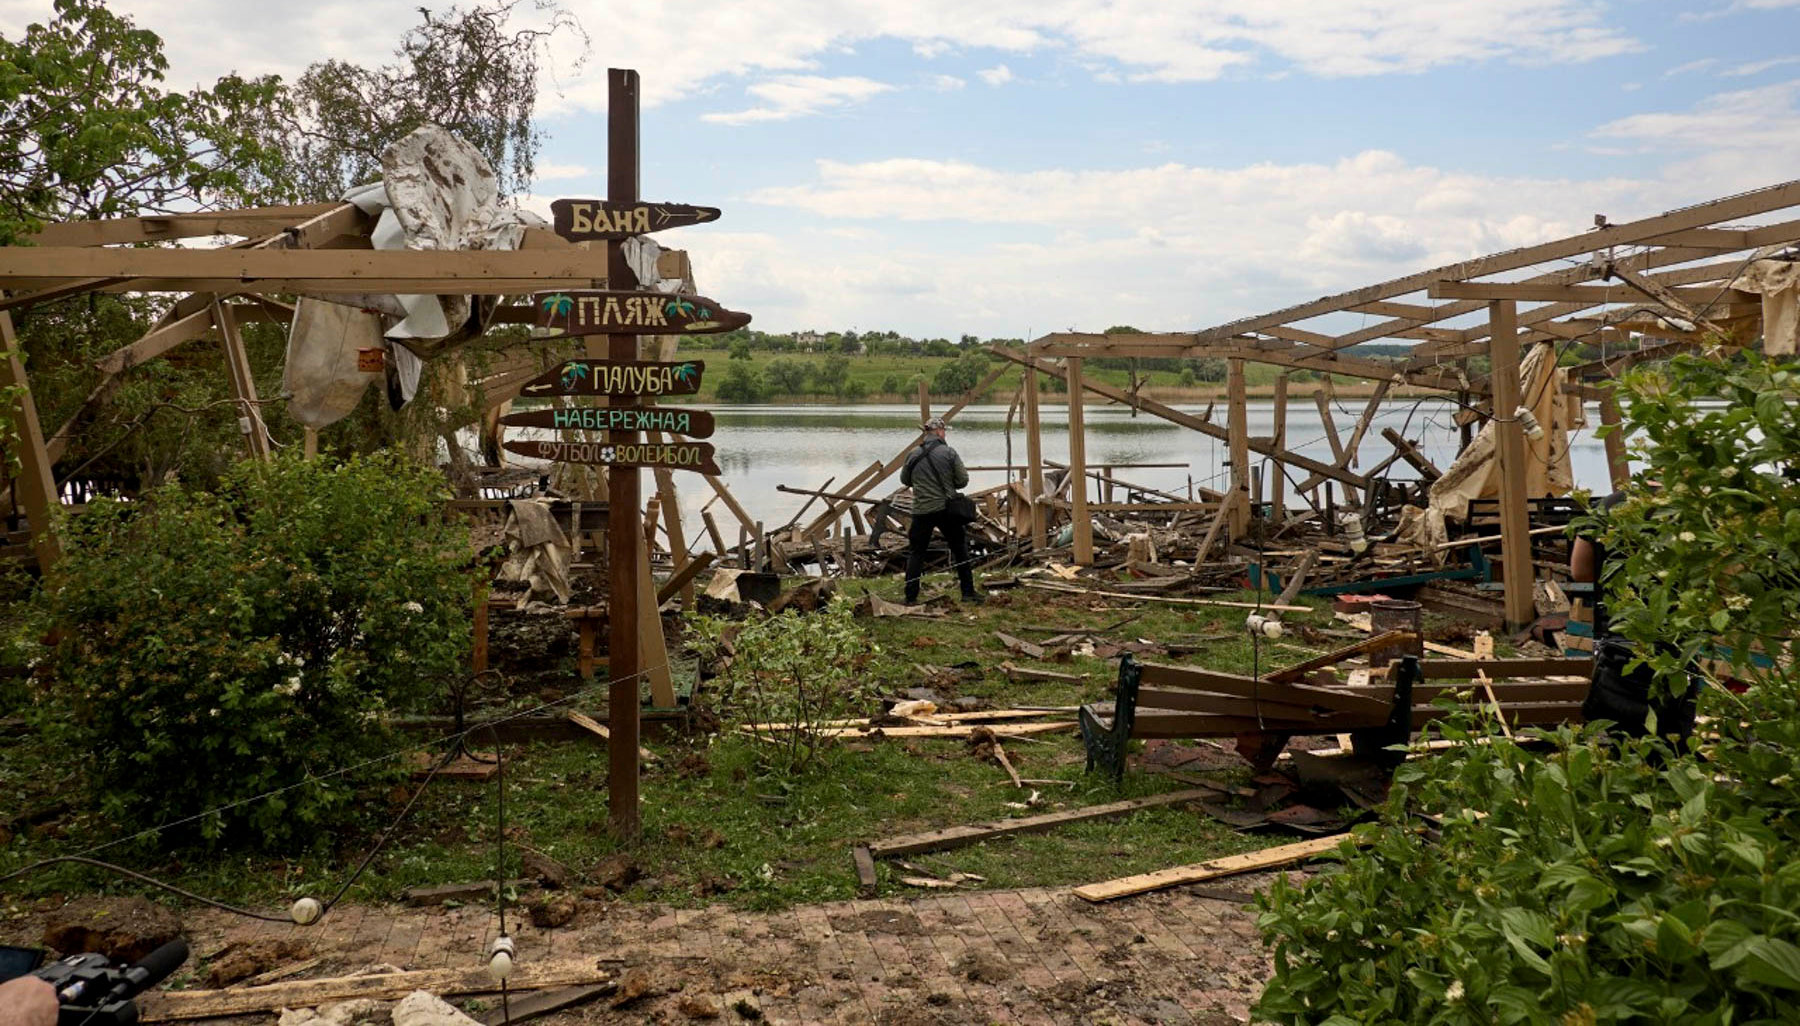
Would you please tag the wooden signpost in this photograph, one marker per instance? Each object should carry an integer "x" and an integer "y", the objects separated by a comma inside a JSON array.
[
  {"x": 689, "y": 423},
  {"x": 613, "y": 320},
  {"x": 634, "y": 313},
  {"x": 581, "y": 220},
  {"x": 619, "y": 378},
  {"x": 669, "y": 455}
]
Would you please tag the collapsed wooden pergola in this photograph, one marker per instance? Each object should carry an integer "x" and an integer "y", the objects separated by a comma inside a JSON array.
[
  {"x": 280, "y": 252},
  {"x": 1657, "y": 286}
]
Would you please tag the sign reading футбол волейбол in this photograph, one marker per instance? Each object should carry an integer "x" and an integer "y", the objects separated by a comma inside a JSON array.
[
  {"x": 691, "y": 423},
  {"x": 696, "y": 456},
  {"x": 634, "y": 313}
]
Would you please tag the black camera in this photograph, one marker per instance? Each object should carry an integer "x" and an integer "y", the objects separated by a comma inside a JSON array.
[{"x": 94, "y": 992}]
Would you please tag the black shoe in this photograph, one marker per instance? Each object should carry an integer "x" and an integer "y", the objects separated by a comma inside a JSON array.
[
  {"x": 975, "y": 599},
  {"x": 912, "y": 600}
]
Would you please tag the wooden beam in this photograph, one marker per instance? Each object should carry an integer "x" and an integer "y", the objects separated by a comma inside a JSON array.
[
  {"x": 682, "y": 579},
  {"x": 1515, "y": 543},
  {"x": 1590, "y": 295},
  {"x": 1268, "y": 858},
  {"x": 166, "y": 227},
  {"x": 1238, "y": 518},
  {"x": 1278, "y": 491},
  {"x": 243, "y": 384},
  {"x": 1034, "y": 463},
  {"x": 172, "y": 1005},
  {"x": 472, "y": 267},
  {"x": 1078, "y": 489},
  {"x": 1186, "y": 420},
  {"x": 963, "y": 836},
  {"x": 1618, "y": 467},
  {"x": 35, "y": 487}
]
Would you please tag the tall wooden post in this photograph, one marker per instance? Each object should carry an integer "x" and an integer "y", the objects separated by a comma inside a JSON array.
[
  {"x": 1078, "y": 513},
  {"x": 34, "y": 487},
  {"x": 1618, "y": 467},
  {"x": 243, "y": 385},
  {"x": 624, "y": 518},
  {"x": 924, "y": 403},
  {"x": 1515, "y": 536},
  {"x": 1034, "y": 460},
  {"x": 1238, "y": 523},
  {"x": 1278, "y": 488}
]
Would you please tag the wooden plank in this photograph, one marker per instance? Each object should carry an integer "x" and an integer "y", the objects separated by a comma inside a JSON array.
[
  {"x": 866, "y": 883},
  {"x": 1340, "y": 699},
  {"x": 1034, "y": 464},
  {"x": 1302, "y": 668},
  {"x": 1465, "y": 669},
  {"x": 681, "y": 577},
  {"x": 1219, "y": 520},
  {"x": 1173, "y": 599},
  {"x": 173, "y": 1005},
  {"x": 1078, "y": 511},
  {"x": 1156, "y": 697},
  {"x": 999, "y": 729},
  {"x": 544, "y": 1002},
  {"x": 1278, "y": 492},
  {"x": 1238, "y": 427},
  {"x": 122, "y": 230},
  {"x": 599, "y": 730},
  {"x": 963, "y": 836},
  {"x": 1268, "y": 858},
  {"x": 243, "y": 383},
  {"x": 1591, "y": 295},
  {"x": 246, "y": 265},
  {"x": 1170, "y": 723},
  {"x": 1515, "y": 545},
  {"x": 36, "y": 487},
  {"x": 1297, "y": 577}
]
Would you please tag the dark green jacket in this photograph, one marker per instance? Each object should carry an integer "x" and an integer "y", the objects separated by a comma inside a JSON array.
[{"x": 933, "y": 471}]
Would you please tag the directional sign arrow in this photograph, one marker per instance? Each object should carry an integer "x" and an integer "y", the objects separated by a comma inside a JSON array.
[
  {"x": 696, "y": 456},
  {"x": 690, "y": 423},
  {"x": 634, "y": 313},
  {"x": 617, "y": 378},
  {"x": 583, "y": 220}
]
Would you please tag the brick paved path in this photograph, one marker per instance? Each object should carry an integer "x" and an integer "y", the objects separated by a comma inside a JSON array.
[{"x": 1029, "y": 956}]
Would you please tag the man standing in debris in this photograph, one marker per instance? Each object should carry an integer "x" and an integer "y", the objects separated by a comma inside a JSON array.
[
  {"x": 934, "y": 472},
  {"x": 1625, "y": 697}
]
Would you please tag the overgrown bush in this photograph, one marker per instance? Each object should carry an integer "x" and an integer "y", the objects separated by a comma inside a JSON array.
[
  {"x": 1606, "y": 881},
  {"x": 217, "y": 646},
  {"x": 788, "y": 676}
]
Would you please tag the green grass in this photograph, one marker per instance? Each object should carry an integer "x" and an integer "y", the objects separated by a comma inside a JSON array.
[{"x": 714, "y": 828}]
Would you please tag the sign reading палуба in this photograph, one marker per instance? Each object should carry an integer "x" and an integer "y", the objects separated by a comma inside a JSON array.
[
  {"x": 634, "y": 313},
  {"x": 583, "y": 220},
  {"x": 692, "y": 423},
  {"x": 696, "y": 456},
  {"x": 617, "y": 378}
]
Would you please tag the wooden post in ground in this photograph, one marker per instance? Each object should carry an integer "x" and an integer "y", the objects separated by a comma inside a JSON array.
[
  {"x": 1238, "y": 524},
  {"x": 1034, "y": 462},
  {"x": 1078, "y": 512},
  {"x": 624, "y": 530},
  {"x": 243, "y": 385},
  {"x": 1278, "y": 488},
  {"x": 34, "y": 487},
  {"x": 924, "y": 403},
  {"x": 1515, "y": 539},
  {"x": 1618, "y": 468}
]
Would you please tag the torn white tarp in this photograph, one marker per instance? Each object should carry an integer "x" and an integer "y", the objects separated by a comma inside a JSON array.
[
  {"x": 1476, "y": 473},
  {"x": 1779, "y": 283},
  {"x": 321, "y": 378},
  {"x": 537, "y": 549},
  {"x": 437, "y": 193}
]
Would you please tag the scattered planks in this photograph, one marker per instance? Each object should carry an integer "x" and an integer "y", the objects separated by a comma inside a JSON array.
[
  {"x": 1319, "y": 662},
  {"x": 544, "y": 1002},
  {"x": 1018, "y": 673},
  {"x": 962, "y": 836},
  {"x": 1048, "y": 586},
  {"x": 1268, "y": 858},
  {"x": 173, "y": 1005},
  {"x": 599, "y": 730},
  {"x": 999, "y": 729}
]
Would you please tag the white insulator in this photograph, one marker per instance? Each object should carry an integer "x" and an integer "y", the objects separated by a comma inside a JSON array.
[
  {"x": 306, "y": 911},
  {"x": 1267, "y": 626},
  {"x": 500, "y": 958}
]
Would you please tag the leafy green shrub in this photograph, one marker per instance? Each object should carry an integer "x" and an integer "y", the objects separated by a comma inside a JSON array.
[
  {"x": 216, "y": 646},
  {"x": 1606, "y": 881},
  {"x": 788, "y": 676},
  {"x": 742, "y": 384}
]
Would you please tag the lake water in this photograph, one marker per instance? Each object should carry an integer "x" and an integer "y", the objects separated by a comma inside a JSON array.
[{"x": 760, "y": 447}]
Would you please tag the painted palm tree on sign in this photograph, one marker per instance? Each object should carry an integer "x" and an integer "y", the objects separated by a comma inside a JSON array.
[
  {"x": 558, "y": 304},
  {"x": 573, "y": 372},
  {"x": 685, "y": 373}
]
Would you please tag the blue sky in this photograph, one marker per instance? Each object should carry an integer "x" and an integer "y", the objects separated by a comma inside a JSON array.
[{"x": 940, "y": 167}]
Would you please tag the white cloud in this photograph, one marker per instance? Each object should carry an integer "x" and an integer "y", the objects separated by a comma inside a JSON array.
[
  {"x": 793, "y": 96},
  {"x": 544, "y": 172},
  {"x": 998, "y": 75},
  {"x": 1737, "y": 140},
  {"x": 1757, "y": 67},
  {"x": 946, "y": 83},
  {"x": 1698, "y": 65},
  {"x": 1146, "y": 39}
]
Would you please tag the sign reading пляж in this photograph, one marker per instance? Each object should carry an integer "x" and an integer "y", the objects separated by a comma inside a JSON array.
[
  {"x": 669, "y": 455},
  {"x": 634, "y": 313}
]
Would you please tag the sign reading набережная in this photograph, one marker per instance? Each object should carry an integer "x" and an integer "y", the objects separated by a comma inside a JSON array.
[{"x": 691, "y": 423}]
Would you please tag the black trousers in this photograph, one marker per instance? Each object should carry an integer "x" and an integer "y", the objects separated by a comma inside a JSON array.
[
  {"x": 1627, "y": 698},
  {"x": 918, "y": 539}
]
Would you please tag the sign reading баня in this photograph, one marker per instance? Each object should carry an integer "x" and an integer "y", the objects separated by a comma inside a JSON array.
[
  {"x": 581, "y": 220},
  {"x": 634, "y": 313}
]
